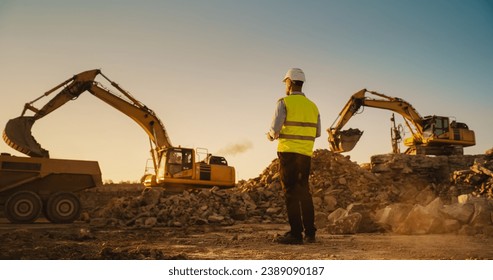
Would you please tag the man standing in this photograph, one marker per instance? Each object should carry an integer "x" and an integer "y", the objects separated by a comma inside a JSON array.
[{"x": 296, "y": 124}]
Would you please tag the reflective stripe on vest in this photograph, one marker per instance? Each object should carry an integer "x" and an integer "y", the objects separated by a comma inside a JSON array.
[{"x": 300, "y": 128}]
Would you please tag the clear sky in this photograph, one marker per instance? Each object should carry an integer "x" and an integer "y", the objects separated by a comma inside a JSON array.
[{"x": 212, "y": 70}]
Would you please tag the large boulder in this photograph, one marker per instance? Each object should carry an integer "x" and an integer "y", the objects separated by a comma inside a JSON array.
[
  {"x": 421, "y": 221},
  {"x": 345, "y": 224},
  {"x": 458, "y": 211}
]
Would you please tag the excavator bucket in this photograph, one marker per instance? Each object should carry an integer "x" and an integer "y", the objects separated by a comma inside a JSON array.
[
  {"x": 344, "y": 140},
  {"x": 17, "y": 134}
]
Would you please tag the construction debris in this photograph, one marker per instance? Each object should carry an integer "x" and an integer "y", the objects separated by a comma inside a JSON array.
[
  {"x": 398, "y": 193},
  {"x": 479, "y": 175}
]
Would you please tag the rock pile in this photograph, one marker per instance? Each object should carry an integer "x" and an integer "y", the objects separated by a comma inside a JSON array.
[
  {"x": 479, "y": 176},
  {"x": 397, "y": 193},
  {"x": 437, "y": 201}
]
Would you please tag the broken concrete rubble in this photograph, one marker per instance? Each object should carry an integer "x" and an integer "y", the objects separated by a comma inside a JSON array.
[
  {"x": 479, "y": 175},
  {"x": 401, "y": 194}
]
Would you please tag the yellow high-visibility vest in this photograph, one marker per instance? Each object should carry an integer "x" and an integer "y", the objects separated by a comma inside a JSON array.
[{"x": 300, "y": 128}]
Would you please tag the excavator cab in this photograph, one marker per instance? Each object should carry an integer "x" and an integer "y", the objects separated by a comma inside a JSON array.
[
  {"x": 435, "y": 126},
  {"x": 179, "y": 163}
]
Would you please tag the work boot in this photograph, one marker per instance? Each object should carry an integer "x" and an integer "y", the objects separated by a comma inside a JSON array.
[
  {"x": 310, "y": 238},
  {"x": 289, "y": 238}
]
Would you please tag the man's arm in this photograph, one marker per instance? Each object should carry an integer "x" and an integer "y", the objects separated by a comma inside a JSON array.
[
  {"x": 277, "y": 120},
  {"x": 319, "y": 127}
]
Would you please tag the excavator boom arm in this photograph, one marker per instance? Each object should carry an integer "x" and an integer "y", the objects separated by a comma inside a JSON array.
[
  {"x": 345, "y": 140},
  {"x": 17, "y": 133},
  {"x": 138, "y": 112},
  {"x": 74, "y": 87}
]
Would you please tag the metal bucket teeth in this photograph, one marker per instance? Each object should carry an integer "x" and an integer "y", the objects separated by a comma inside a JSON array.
[
  {"x": 345, "y": 140},
  {"x": 17, "y": 134}
]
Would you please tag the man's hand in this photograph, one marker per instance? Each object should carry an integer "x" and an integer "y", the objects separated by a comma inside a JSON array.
[{"x": 270, "y": 137}]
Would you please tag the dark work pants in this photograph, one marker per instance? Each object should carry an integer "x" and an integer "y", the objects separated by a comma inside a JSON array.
[{"x": 294, "y": 170}]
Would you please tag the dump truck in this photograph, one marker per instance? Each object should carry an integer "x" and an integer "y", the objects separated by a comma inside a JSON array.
[
  {"x": 32, "y": 186},
  {"x": 431, "y": 135},
  {"x": 173, "y": 167}
]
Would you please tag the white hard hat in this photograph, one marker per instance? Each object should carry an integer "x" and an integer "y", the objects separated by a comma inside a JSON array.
[{"x": 295, "y": 74}]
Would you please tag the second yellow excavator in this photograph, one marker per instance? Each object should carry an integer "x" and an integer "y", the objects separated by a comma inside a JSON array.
[
  {"x": 173, "y": 167},
  {"x": 431, "y": 135}
]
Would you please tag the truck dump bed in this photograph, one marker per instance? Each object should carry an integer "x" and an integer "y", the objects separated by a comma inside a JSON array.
[
  {"x": 47, "y": 175},
  {"x": 27, "y": 184}
]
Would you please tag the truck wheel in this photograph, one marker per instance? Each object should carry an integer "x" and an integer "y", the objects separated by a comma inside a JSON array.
[
  {"x": 23, "y": 207},
  {"x": 63, "y": 208}
]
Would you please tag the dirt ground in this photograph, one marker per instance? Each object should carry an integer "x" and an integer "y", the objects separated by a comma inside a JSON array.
[{"x": 79, "y": 241}]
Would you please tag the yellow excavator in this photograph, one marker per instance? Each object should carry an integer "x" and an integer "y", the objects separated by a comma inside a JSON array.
[
  {"x": 173, "y": 167},
  {"x": 431, "y": 135}
]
